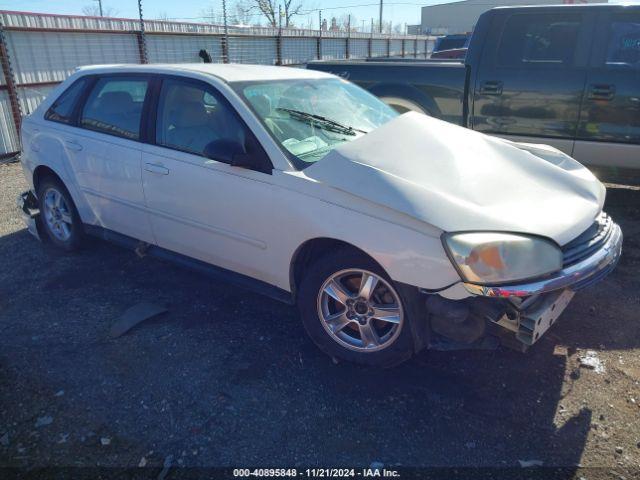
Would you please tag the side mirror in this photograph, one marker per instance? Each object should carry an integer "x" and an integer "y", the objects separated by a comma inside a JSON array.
[{"x": 228, "y": 151}]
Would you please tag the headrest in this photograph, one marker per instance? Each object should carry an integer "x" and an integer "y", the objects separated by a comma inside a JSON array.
[
  {"x": 116, "y": 102},
  {"x": 190, "y": 114}
]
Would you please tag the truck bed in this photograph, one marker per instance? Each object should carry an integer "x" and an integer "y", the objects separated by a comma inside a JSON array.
[{"x": 437, "y": 86}]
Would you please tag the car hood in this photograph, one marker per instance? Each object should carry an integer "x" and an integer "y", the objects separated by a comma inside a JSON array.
[{"x": 456, "y": 179}]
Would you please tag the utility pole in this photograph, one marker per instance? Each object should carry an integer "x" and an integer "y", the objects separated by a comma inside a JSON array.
[
  {"x": 319, "y": 39},
  {"x": 280, "y": 16},
  {"x": 100, "y": 6},
  {"x": 225, "y": 42},
  {"x": 380, "y": 26}
]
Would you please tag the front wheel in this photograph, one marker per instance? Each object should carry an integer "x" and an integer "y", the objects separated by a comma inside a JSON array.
[{"x": 353, "y": 312}]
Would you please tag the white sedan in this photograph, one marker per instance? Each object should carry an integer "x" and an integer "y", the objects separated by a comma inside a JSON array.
[{"x": 390, "y": 232}]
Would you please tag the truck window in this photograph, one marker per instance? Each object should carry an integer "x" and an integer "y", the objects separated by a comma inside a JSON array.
[
  {"x": 624, "y": 42},
  {"x": 540, "y": 38}
]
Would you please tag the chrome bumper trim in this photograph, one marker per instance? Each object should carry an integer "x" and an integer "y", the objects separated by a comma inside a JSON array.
[{"x": 577, "y": 276}]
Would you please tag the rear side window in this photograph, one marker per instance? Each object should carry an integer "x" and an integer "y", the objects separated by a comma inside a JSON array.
[
  {"x": 624, "y": 42},
  {"x": 114, "y": 106},
  {"x": 62, "y": 109},
  {"x": 539, "y": 39}
]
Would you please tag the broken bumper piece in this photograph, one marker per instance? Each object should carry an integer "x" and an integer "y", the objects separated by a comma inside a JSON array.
[
  {"x": 28, "y": 205},
  {"x": 533, "y": 317}
]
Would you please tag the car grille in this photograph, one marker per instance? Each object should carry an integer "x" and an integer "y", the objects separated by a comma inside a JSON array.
[{"x": 588, "y": 242}]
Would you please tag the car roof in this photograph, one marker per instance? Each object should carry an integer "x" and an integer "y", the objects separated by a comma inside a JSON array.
[{"x": 228, "y": 72}]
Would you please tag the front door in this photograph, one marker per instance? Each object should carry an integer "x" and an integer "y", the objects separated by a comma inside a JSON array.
[
  {"x": 609, "y": 129},
  {"x": 532, "y": 75},
  {"x": 199, "y": 204}
]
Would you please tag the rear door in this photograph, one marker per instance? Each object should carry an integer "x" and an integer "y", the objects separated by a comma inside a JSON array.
[
  {"x": 609, "y": 128},
  {"x": 532, "y": 75},
  {"x": 105, "y": 153}
]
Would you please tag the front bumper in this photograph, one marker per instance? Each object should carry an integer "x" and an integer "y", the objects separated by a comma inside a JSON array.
[
  {"x": 28, "y": 205},
  {"x": 575, "y": 277}
]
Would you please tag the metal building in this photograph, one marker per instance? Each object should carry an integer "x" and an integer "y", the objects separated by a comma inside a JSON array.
[{"x": 461, "y": 17}]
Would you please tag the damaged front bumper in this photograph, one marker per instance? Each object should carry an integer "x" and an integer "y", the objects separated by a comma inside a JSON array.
[
  {"x": 574, "y": 277},
  {"x": 30, "y": 212},
  {"x": 520, "y": 314}
]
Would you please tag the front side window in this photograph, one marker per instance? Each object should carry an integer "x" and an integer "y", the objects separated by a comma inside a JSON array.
[
  {"x": 624, "y": 42},
  {"x": 309, "y": 118},
  {"x": 193, "y": 119},
  {"x": 62, "y": 109},
  {"x": 539, "y": 39},
  {"x": 115, "y": 106}
]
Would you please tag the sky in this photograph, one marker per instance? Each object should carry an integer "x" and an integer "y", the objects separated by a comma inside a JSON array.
[{"x": 398, "y": 11}]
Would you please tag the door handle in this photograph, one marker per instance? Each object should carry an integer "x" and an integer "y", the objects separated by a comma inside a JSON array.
[
  {"x": 75, "y": 146},
  {"x": 602, "y": 92},
  {"x": 155, "y": 168},
  {"x": 491, "y": 87}
]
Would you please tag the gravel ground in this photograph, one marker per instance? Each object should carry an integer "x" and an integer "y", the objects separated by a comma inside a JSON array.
[{"x": 228, "y": 377}]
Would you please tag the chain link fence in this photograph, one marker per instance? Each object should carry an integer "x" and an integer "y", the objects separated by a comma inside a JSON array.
[{"x": 38, "y": 51}]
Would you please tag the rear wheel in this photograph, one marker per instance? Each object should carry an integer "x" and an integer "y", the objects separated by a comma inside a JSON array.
[
  {"x": 402, "y": 105},
  {"x": 352, "y": 310},
  {"x": 60, "y": 218}
]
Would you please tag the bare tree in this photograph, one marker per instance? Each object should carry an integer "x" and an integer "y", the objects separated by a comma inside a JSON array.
[
  {"x": 212, "y": 16},
  {"x": 344, "y": 24},
  {"x": 291, "y": 9},
  {"x": 94, "y": 11},
  {"x": 269, "y": 10},
  {"x": 241, "y": 13},
  {"x": 386, "y": 26}
]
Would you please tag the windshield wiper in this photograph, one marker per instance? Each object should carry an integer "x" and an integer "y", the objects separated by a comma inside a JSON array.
[{"x": 322, "y": 122}]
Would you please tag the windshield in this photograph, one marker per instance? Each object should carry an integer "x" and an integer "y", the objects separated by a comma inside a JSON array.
[{"x": 309, "y": 118}]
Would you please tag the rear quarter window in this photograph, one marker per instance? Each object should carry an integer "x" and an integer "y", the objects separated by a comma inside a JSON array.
[{"x": 62, "y": 109}]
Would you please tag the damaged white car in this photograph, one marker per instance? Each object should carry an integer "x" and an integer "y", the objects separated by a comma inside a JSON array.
[{"x": 390, "y": 232}]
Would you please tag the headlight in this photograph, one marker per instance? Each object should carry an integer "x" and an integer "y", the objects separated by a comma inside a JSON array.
[{"x": 489, "y": 258}]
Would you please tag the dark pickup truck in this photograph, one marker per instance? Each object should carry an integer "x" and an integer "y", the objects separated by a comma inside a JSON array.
[{"x": 567, "y": 76}]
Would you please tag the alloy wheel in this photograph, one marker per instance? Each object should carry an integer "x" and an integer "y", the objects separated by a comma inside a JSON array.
[
  {"x": 57, "y": 214},
  {"x": 360, "y": 310}
]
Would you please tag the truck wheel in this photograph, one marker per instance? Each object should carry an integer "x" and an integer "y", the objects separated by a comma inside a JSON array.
[
  {"x": 352, "y": 311},
  {"x": 402, "y": 105},
  {"x": 59, "y": 216}
]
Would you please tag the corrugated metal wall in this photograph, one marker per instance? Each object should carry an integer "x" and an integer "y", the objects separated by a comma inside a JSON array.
[
  {"x": 45, "y": 49},
  {"x": 182, "y": 48},
  {"x": 299, "y": 50},
  {"x": 52, "y": 56}
]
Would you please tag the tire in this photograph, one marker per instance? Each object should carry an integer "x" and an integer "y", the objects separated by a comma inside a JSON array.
[
  {"x": 402, "y": 105},
  {"x": 343, "y": 338},
  {"x": 58, "y": 215}
]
